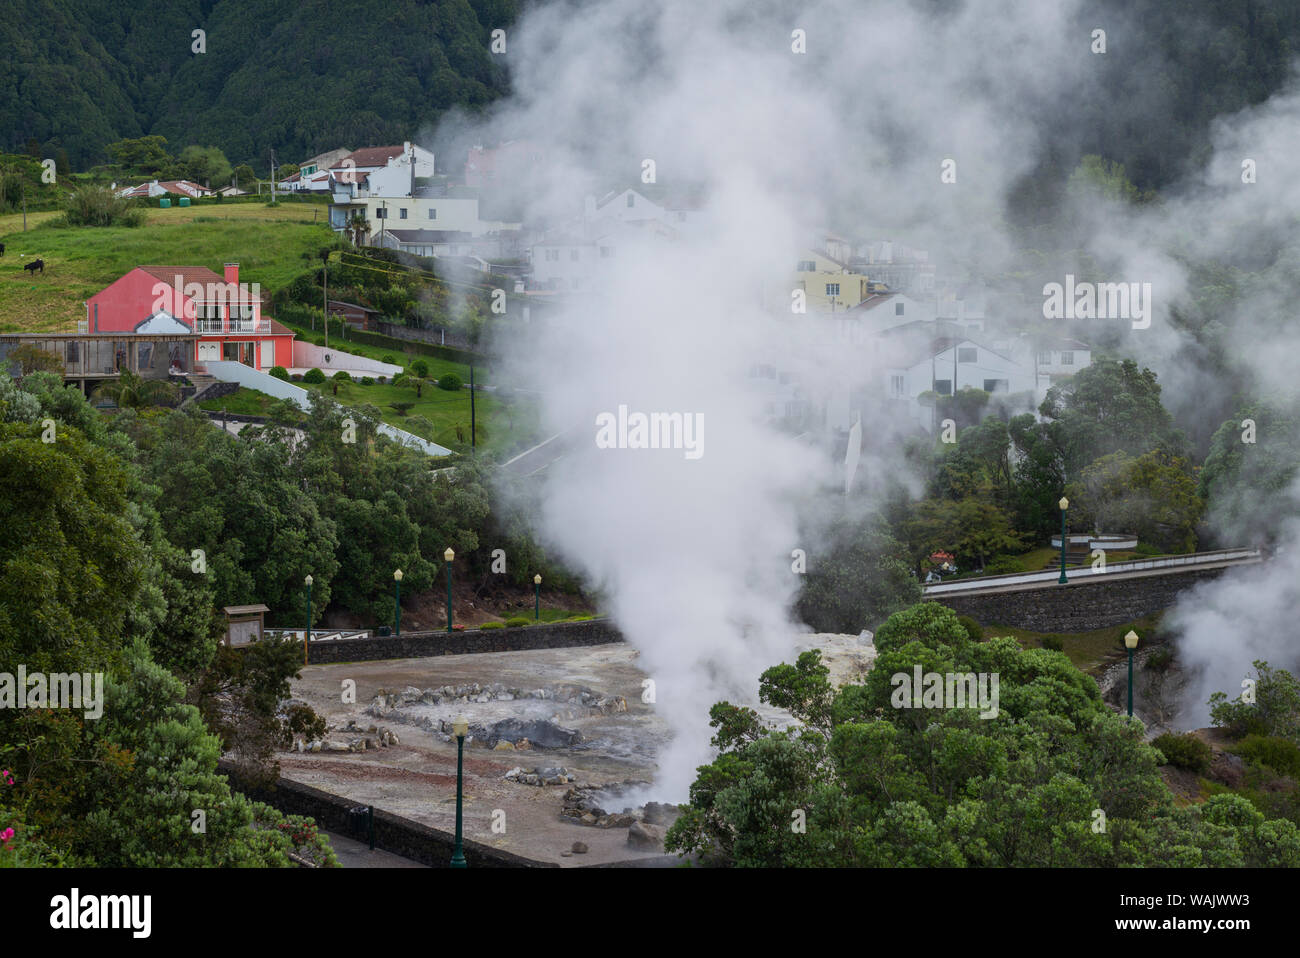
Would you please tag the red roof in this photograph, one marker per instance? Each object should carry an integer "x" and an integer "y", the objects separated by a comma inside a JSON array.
[
  {"x": 369, "y": 156},
  {"x": 194, "y": 274}
]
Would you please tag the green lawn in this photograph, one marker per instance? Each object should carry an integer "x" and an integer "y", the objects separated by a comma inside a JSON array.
[
  {"x": 245, "y": 402},
  {"x": 268, "y": 243},
  {"x": 1089, "y": 651},
  {"x": 437, "y": 414}
]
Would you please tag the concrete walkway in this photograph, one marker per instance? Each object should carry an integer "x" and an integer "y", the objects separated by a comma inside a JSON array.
[{"x": 354, "y": 854}]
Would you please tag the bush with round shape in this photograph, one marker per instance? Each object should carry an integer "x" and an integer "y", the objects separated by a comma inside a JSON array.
[
  {"x": 517, "y": 621},
  {"x": 343, "y": 376},
  {"x": 279, "y": 372},
  {"x": 1052, "y": 642},
  {"x": 388, "y": 358},
  {"x": 973, "y": 629},
  {"x": 367, "y": 381},
  {"x": 450, "y": 382},
  {"x": 313, "y": 376},
  {"x": 420, "y": 368},
  {"x": 1184, "y": 751},
  {"x": 493, "y": 625}
]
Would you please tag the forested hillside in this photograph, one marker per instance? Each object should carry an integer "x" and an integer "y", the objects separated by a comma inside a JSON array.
[{"x": 299, "y": 76}]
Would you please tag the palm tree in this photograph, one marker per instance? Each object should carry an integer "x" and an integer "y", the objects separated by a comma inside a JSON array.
[
  {"x": 133, "y": 392},
  {"x": 359, "y": 226}
]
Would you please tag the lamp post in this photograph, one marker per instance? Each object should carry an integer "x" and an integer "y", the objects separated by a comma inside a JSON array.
[
  {"x": 1131, "y": 643},
  {"x": 537, "y": 597},
  {"x": 460, "y": 727},
  {"x": 307, "y": 635},
  {"x": 397, "y": 603},
  {"x": 449, "y": 555},
  {"x": 1064, "y": 504}
]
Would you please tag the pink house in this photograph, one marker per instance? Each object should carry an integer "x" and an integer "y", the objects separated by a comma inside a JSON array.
[{"x": 192, "y": 301}]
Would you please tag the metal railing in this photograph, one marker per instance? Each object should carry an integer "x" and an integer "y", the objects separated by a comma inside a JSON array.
[{"x": 1115, "y": 568}]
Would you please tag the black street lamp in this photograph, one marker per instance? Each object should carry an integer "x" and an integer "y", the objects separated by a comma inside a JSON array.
[
  {"x": 397, "y": 604},
  {"x": 449, "y": 555},
  {"x": 460, "y": 727},
  {"x": 1064, "y": 504},
  {"x": 1131, "y": 643},
  {"x": 307, "y": 635},
  {"x": 537, "y": 597}
]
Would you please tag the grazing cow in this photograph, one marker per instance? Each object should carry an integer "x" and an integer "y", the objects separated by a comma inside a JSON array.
[{"x": 34, "y": 265}]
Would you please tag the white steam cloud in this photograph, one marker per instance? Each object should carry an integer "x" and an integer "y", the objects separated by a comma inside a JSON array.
[{"x": 693, "y": 556}]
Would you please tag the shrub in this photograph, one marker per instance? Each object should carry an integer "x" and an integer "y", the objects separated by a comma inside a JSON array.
[
  {"x": 296, "y": 377},
  {"x": 314, "y": 376},
  {"x": 402, "y": 408},
  {"x": 420, "y": 368},
  {"x": 973, "y": 629},
  {"x": 1160, "y": 660},
  {"x": 388, "y": 358},
  {"x": 1003, "y": 565},
  {"x": 367, "y": 381},
  {"x": 450, "y": 382},
  {"x": 100, "y": 206},
  {"x": 399, "y": 379},
  {"x": 1184, "y": 751},
  {"x": 1052, "y": 642},
  {"x": 516, "y": 621},
  {"x": 1279, "y": 754},
  {"x": 279, "y": 372},
  {"x": 343, "y": 376},
  {"x": 492, "y": 625},
  {"x": 381, "y": 379}
]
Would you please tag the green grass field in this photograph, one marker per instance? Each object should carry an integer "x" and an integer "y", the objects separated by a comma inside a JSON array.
[
  {"x": 268, "y": 244},
  {"x": 444, "y": 411},
  {"x": 1089, "y": 651}
]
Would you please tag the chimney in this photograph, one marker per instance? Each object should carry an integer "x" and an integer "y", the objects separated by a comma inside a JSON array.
[{"x": 232, "y": 274}]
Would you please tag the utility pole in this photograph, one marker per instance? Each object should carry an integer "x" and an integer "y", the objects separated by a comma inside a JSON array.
[
  {"x": 325, "y": 281},
  {"x": 25, "y": 208},
  {"x": 272, "y": 177},
  {"x": 472, "y": 443}
]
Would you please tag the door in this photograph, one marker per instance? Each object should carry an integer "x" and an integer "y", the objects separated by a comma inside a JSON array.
[{"x": 268, "y": 354}]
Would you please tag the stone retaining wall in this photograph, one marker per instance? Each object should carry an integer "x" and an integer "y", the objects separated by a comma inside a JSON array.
[
  {"x": 1087, "y": 602},
  {"x": 558, "y": 635},
  {"x": 400, "y": 836}
]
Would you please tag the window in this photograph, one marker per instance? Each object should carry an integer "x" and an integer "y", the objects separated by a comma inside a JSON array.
[
  {"x": 381, "y": 213},
  {"x": 943, "y": 387},
  {"x": 1067, "y": 358},
  {"x": 995, "y": 385},
  {"x": 631, "y": 200},
  {"x": 895, "y": 385},
  {"x": 1045, "y": 359},
  {"x": 967, "y": 354},
  {"x": 72, "y": 355},
  {"x": 552, "y": 255},
  {"x": 807, "y": 266},
  {"x": 402, "y": 213},
  {"x": 433, "y": 213},
  {"x": 832, "y": 289},
  {"x": 898, "y": 309}
]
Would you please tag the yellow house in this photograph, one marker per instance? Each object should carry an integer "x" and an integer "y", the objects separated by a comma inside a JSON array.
[{"x": 828, "y": 284}]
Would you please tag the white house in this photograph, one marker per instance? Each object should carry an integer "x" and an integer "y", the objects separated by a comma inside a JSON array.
[
  {"x": 569, "y": 260},
  {"x": 380, "y": 171},
  {"x": 946, "y": 365}
]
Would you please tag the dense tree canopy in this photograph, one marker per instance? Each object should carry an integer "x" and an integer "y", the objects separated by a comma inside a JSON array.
[{"x": 1054, "y": 779}]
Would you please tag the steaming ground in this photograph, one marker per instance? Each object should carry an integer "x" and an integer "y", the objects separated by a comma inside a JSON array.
[{"x": 416, "y": 778}]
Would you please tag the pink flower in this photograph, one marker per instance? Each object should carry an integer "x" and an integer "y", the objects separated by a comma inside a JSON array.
[{"x": 7, "y": 834}]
